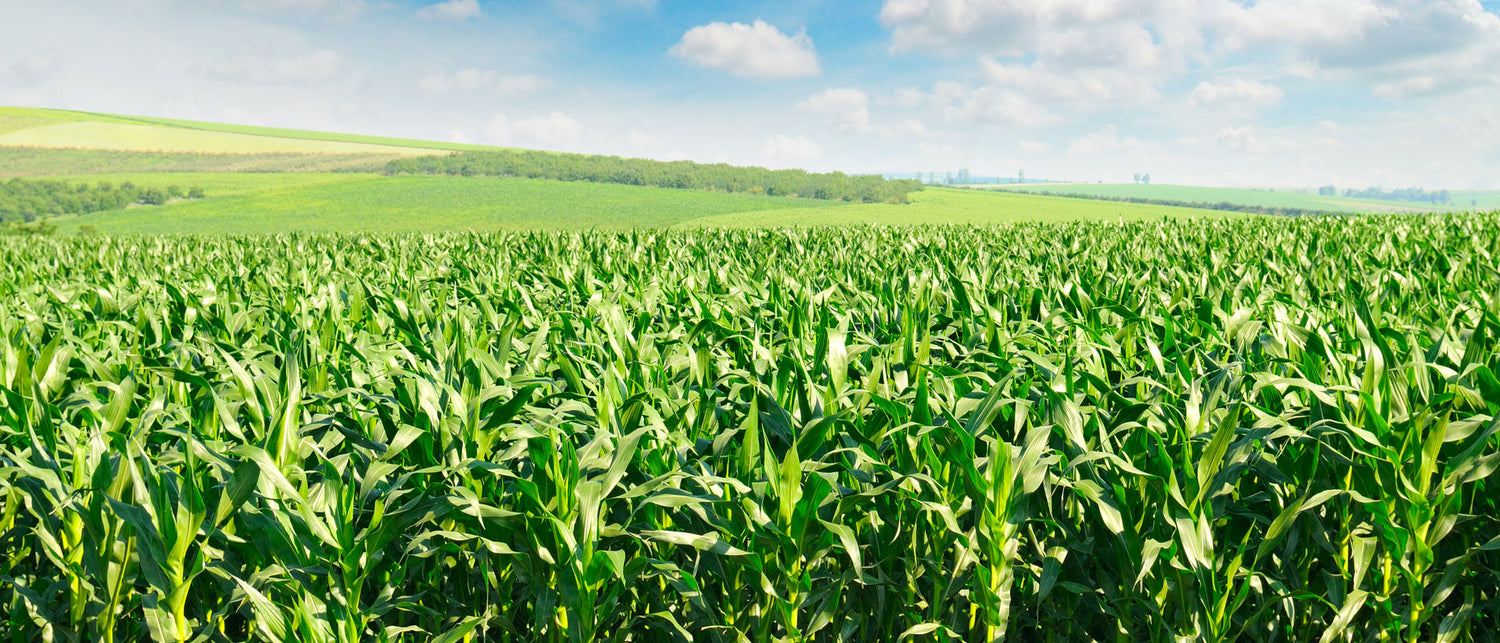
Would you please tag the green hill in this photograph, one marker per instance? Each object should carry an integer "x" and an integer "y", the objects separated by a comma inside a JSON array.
[{"x": 267, "y": 180}]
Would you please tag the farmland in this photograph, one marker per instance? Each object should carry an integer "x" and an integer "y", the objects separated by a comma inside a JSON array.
[
  {"x": 1207, "y": 428},
  {"x": 1270, "y": 199},
  {"x": 255, "y": 203}
]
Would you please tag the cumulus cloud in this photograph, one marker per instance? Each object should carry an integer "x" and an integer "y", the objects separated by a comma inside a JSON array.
[
  {"x": 497, "y": 130},
  {"x": 471, "y": 80},
  {"x": 989, "y": 105},
  {"x": 1035, "y": 147},
  {"x": 1135, "y": 33},
  {"x": 1077, "y": 88},
  {"x": 521, "y": 85},
  {"x": 1248, "y": 139},
  {"x": 1239, "y": 138},
  {"x": 788, "y": 148},
  {"x": 299, "y": 69},
  {"x": 756, "y": 50},
  {"x": 909, "y": 128},
  {"x": 462, "y": 81},
  {"x": 641, "y": 140},
  {"x": 452, "y": 10},
  {"x": 845, "y": 108},
  {"x": 553, "y": 131},
  {"x": 1238, "y": 92},
  {"x": 1364, "y": 33},
  {"x": 1108, "y": 141},
  {"x": 1084, "y": 51}
]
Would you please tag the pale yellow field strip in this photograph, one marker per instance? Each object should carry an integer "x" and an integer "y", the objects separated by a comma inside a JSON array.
[{"x": 147, "y": 138}]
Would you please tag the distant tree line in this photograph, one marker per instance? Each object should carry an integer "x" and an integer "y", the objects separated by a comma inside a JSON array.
[
  {"x": 1413, "y": 195},
  {"x": 27, "y": 199},
  {"x": 1202, "y": 205},
  {"x": 684, "y": 175}
]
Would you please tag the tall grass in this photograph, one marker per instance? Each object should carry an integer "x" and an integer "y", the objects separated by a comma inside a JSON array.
[{"x": 1251, "y": 429}]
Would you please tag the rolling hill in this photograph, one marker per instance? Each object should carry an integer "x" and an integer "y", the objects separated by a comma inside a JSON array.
[{"x": 265, "y": 180}]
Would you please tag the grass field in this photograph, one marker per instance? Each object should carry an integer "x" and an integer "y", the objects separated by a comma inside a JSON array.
[
  {"x": 1214, "y": 429},
  {"x": 1482, "y": 200},
  {"x": 272, "y": 203},
  {"x": 1257, "y": 198},
  {"x": 944, "y": 206}
]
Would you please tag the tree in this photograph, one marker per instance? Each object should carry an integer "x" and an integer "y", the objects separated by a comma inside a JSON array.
[
  {"x": 1146, "y": 179},
  {"x": 1020, "y": 176},
  {"x": 1137, "y": 177},
  {"x": 153, "y": 196}
]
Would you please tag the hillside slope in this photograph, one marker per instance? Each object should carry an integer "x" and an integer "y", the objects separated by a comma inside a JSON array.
[{"x": 266, "y": 180}]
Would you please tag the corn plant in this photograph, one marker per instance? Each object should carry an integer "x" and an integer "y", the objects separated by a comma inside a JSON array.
[{"x": 1258, "y": 429}]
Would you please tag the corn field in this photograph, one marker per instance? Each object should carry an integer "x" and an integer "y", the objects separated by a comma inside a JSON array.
[{"x": 1259, "y": 429}]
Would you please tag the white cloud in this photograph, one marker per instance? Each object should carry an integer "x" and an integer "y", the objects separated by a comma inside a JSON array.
[
  {"x": 1075, "y": 88},
  {"x": 1246, "y": 139},
  {"x": 256, "y": 68},
  {"x": 471, "y": 80},
  {"x": 907, "y": 97},
  {"x": 787, "y": 148},
  {"x": 463, "y": 81},
  {"x": 1365, "y": 33},
  {"x": 967, "y": 104},
  {"x": 523, "y": 85},
  {"x": 459, "y": 136},
  {"x": 1240, "y": 138},
  {"x": 452, "y": 10},
  {"x": 1078, "y": 51},
  {"x": 1130, "y": 33},
  {"x": 497, "y": 130},
  {"x": 1035, "y": 147},
  {"x": 1108, "y": 141},
  {"x": 909, "y": 128},
  {"x": 641, "y": 140},
  {"x": 553, "y": 131},
  {"x": 757, "y": 50},
  {"x": 1238, "y": 92},
  {"x": 845, "y": 108}
]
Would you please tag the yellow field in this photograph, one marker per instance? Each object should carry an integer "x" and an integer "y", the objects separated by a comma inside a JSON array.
[
  {"x": 146, "y": 138},
  {"x": 950, "y": 206}
]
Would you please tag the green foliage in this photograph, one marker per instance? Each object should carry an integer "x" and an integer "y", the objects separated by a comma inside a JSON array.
[
  {"x": 1253, "y": 429},
  {"x": 26, "y": 200},
  {"x": 684, "y": 175},
  {"x": 1415, "y": 195}
]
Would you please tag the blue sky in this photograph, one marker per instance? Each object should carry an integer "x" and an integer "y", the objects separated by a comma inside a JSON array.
[{"x": 1389, "y": 93}]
